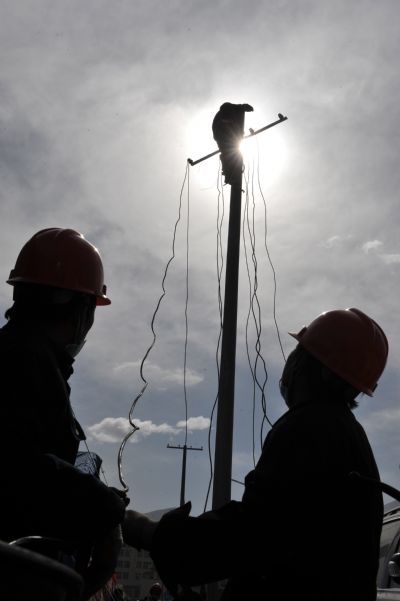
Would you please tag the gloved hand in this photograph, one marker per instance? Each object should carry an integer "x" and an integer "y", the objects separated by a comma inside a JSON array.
[
  {"x": 103, "y": 562},
  {"x": 138, "y": 530}
]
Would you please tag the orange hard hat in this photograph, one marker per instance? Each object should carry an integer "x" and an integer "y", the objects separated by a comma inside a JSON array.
[
  {"x": 62, "y": 258},
  {"x": 350, "y": 344}
]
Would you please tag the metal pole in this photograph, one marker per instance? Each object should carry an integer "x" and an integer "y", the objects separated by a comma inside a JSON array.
[{"x": 226, "y": 389}]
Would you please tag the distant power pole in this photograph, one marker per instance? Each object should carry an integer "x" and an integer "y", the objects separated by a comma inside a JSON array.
[
  {"x": 226, "y": 387},
  {"x": 184, "y": 448}
]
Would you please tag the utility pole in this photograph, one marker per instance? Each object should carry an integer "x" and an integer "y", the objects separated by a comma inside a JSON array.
[
  {"x": 226, "y": 385},
  {"x": 184, "y": 448}
]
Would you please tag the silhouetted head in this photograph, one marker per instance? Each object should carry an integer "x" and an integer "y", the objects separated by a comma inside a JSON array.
[
  {"x": 58, "y": 282},
  {"x": 304, "y": 378},
  {"x": 340, "y": 354}
]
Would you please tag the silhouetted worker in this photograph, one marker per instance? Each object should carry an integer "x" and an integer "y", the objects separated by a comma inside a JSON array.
[
  {"x": 58, "y": 282},
  {"x": 228, "y": 132},
  {"x": 304, "y": 529}
]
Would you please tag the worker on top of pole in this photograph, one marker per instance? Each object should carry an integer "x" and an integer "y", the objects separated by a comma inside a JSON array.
[
  {"x": 58, "y": 283},
  {"x": 305, "y": 528},
  {"x": 228, "y": 131}
]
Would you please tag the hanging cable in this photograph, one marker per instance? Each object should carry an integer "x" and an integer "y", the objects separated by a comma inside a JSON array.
[
  {"x": 254, "y": 304},
  {"x": 265, "y": 418},
  {"x": 134, "y": 427},
  {"x": 244, "y": 221},
  {"x": 259, "y": 356},
  {"x": 268, "y": 254}
]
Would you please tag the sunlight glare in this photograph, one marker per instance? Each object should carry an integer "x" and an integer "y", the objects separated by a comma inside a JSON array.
[{"x": 272, "y": 151}]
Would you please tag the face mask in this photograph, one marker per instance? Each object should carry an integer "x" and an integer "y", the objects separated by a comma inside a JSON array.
[
  {"x": 85, "y": 319},
  {"x": 74, "y": 349},
  {"x": 289, "y": 374}
]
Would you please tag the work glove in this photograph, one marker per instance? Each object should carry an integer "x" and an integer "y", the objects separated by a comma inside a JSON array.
[
  {"x": 103, "y": 562},
  {"x": 138, "y": 530}
]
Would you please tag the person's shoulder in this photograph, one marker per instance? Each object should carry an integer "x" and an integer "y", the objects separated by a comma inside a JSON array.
[
  {"x": 314, "y": 415},
  {"x": 23, "y": 346}
]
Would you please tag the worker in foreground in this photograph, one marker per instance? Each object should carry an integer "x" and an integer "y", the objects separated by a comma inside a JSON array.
[
  {"x": 305, "y": 528},
  {"x": 58, "y": 283}
]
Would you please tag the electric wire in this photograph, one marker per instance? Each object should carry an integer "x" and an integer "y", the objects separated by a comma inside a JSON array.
[
  {"x": 275, "y": 285},
  {"x": 237, "y": 481},
  {"x": 254, "y": 303},
  {"x": 269, "y": 255},
  {"x": 133, "y": 426},
  {"x": 254, "y": 310},
  {"x": 249, "y": 360},
  {"x": 258, "y": 319}
]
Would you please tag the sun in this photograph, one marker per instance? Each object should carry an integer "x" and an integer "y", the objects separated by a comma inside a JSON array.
[{"x": 266, "y": 151}]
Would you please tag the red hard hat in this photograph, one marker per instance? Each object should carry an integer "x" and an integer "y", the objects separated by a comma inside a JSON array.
[
  {"x": 156, "y": 588},
  {"x": 350, "y": 344},
  {"x": 62, "y": 258}
]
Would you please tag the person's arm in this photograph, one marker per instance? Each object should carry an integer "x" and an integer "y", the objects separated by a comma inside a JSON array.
[
  {"x": 41, "y": 492},
  {"x": 103, "y": 562},
  {"x": 194, "y": 550}
]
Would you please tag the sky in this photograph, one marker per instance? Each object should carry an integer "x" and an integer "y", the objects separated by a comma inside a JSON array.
[{"x": 101, "y": 104}]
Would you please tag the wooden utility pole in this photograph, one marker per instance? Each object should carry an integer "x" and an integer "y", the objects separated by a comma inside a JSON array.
[{"x": 184, "y": 448}]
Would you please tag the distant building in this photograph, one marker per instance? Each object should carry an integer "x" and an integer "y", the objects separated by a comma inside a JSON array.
[{"x": 135, "y": 569}]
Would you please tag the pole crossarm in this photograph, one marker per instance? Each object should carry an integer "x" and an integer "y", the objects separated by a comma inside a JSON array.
[
  {"x": 170, "y": 446},
  {"x": 251, "y": 134}
]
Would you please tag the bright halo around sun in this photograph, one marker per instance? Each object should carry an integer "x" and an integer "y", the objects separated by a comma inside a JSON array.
[{"x": 266, "y": 151}]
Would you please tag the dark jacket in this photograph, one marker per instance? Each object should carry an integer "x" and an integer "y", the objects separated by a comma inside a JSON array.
[
  {"x": 42, "y": 493},
  {"x": 303, "y": 530}
]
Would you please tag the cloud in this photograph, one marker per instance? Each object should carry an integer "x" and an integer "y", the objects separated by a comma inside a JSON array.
[
  {"x": 383, "y": 421},
  {"x": 158, "y": 375},
  {"x": 114, "y": 429},
  {"x": 371, "y": 245},
  {"x": 195, "y": 423},
  {"x": 387, "y": 258},
  {"x": 391, "y": 259},
  {"x": 332, "y": 242}
]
